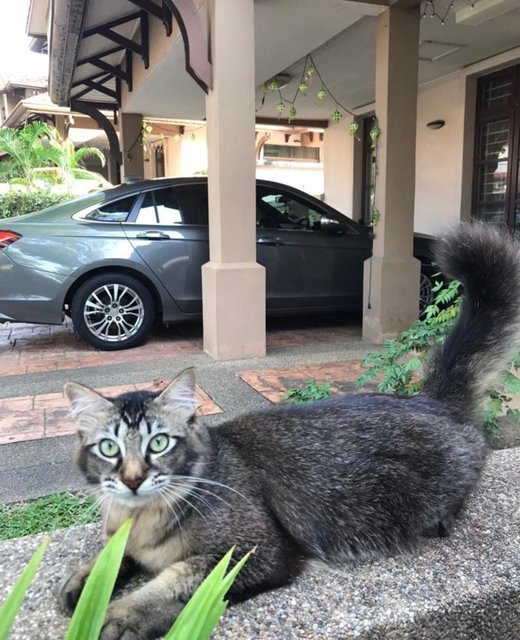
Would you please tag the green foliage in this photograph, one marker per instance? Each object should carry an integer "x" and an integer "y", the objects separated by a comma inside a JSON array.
[
  {"x": 26, "y": 150},
  {"x": 16, "y": 203},
  {"x": 38, "y": 146},
  {"x": 89, "y": 613},
  {"x": 200, "y": 616},
  {"x": 14, "y": 600},
  {"x": 399, "y": 367},
  {"x": 196, "y": 621},
  {"x": 55, "y": 511},
  {"x": 310, "y": 391}
]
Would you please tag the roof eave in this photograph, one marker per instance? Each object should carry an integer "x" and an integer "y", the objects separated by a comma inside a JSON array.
[{"x": 66, "y": 28}]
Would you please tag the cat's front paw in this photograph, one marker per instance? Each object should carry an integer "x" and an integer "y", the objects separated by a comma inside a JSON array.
[
  {"x": 121, "y": 623},
  {"x": 72, "y": 587}
]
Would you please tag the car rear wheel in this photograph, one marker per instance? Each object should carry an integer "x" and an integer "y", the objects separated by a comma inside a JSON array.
[{"x": 113, "y": 311}]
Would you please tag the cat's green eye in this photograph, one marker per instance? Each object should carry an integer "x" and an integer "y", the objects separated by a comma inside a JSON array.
[
  {"x": 108, "y": 448},
  {"x": 159, "y": 443}
]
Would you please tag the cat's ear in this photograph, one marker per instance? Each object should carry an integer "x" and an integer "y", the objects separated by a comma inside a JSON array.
[
  {"x": 179, "y": 395},
  {"x": 86, "y": 405}
]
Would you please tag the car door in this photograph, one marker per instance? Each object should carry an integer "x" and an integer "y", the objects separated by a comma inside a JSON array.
[
  {"x": 313, "y": 256},
  {"x": 169, "y": 231}
]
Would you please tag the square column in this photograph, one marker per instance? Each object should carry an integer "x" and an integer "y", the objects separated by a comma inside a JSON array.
[
  {"x": 233, "y": 284},
  {"x": 391, "y": 276},
  {"x": 131, "y": 144}
]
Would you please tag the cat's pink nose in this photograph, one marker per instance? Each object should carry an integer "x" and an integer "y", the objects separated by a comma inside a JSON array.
[{"x": 133, "y": 483}]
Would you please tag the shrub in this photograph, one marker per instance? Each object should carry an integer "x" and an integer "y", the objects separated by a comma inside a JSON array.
[
  {"x": 16, "y": 203},
  {"x": 400, "y": 365},
  {"x": 310, "y": 391}
]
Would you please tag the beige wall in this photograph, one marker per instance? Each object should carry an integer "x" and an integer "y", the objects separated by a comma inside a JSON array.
[
  {"x": 439, "y": 154},
  {"x": 444, "y": 170},
  {"x": 339, "y": 167}
]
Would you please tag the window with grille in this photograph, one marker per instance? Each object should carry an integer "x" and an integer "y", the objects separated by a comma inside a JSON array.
[{"x": 496, "y": 191}]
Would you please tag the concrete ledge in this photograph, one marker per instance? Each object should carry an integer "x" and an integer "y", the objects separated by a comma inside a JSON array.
[{"x": 466, "y": 587}]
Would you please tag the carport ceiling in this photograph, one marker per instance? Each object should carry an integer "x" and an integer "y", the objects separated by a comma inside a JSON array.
[{"x": 339, "y": 33}]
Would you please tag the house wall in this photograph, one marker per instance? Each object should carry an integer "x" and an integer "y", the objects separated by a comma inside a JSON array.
[
  {"x": 444, "y": 161},
  {"x": 187, "y": 155},
  {"x": 439, "y": 154}
]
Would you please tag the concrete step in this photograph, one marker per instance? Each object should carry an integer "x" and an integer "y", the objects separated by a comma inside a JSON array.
[{"x": 465, "y": 587}]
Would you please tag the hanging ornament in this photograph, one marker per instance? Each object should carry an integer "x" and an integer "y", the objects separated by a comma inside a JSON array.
[
  {"x": 321, "y": 94},
  {"x": 310, "y": 72},
  {"x": 280, "y": 107},
  {"x": 292, "y": 114},
  {"x": 304, "y": 86},
  {"x": 336, "y": 116},
  {"x": 273, "y": 85},
  {"x": 353, "y": 127}
]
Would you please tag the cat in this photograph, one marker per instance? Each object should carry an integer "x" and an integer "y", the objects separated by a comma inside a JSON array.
[{"x": 344, "y": 479}]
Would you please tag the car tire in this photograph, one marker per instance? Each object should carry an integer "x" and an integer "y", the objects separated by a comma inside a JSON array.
[{"x": 113, "y": 311}]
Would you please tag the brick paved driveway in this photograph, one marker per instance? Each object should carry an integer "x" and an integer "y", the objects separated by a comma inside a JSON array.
[{"x": 42, "y": 349}]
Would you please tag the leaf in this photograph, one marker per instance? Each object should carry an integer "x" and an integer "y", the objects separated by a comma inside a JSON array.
[
  {"x": 511, "y": 382},
  {"x": 201, "y": 614},
  {"x": 14, "y": 600},
  {"x": 89, "y": 614}
]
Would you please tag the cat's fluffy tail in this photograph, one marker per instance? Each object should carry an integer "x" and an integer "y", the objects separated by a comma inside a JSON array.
[{"x": 487, "y": 262}]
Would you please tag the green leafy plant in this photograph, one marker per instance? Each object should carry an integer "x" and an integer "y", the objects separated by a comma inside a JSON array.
[
  {"x": 89, "y": 614},
  {"x": 201, "y": 614},
  {"x": 14, "y": 600},
  {"x": 37, "y": 154},
  {"x": 17, "y": 203},
  {"x": 399, "y": 366},
  {"x": 309, "y": 391},
  {"x": 196, "y": 621}
]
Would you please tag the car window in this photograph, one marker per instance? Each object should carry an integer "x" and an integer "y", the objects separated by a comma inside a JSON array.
[
  {"x": 174, "y": 205},
  {"x": 116, "y": 211},
  {"x": 279, "y": 210}
]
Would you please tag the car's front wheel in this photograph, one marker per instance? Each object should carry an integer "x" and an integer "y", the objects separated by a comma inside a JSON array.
[{"x": 113, "y": 311}]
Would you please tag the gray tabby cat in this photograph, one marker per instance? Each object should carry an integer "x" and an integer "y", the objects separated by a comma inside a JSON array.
[{"x": 342, "y": 479}]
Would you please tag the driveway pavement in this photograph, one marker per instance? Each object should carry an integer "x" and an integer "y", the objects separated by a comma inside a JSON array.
[
  {"x": 36, "y": 433},
  {"x": 465, "y": 587}
]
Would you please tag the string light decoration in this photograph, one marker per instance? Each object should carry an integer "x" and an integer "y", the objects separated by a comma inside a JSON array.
[{"x": 431, "y": 10}]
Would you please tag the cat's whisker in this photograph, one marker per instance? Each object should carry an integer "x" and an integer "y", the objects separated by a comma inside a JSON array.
[
  {"x": 192, "y": 490},
  {"x": 168, "y": 489},
  {"x": 170, "y": 507},
  {"x": 210, "y": 493},
  {"x": 214, "y": 483}
]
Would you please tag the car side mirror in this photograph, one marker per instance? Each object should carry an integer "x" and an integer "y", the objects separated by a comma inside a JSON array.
[{"x": 332, "y": 227}]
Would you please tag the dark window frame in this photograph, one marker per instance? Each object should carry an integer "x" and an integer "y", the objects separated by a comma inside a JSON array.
[
  {"x": 369, "y": 158},
  {"x": 484, "y": 116}
]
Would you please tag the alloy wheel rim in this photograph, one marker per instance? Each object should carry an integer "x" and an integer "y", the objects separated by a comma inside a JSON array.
[{"x": 113, "y": 312}]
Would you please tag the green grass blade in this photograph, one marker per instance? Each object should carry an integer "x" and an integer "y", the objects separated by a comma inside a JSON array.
[
  {"x": 201, "y": 614},
  {"x": 191, "y": 617},
  {"x": 14, "y": 600},
  {"x": 220, "y": 605},
  {"x": 89, "y": 614}
]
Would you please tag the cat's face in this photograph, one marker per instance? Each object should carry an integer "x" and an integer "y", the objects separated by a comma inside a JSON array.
[{"x": 138, "y": 445}]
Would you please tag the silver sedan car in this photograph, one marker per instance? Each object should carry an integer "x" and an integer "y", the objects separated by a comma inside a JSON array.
[{"x": 117, "y": 260}]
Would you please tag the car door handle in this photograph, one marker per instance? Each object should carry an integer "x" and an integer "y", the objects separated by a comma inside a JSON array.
[
  {"x": 154, "y": 235},
  {"x": 270, "y": 242}
]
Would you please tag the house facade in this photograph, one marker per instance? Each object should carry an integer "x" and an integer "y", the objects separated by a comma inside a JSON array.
[{"x": 407, "y": 111}]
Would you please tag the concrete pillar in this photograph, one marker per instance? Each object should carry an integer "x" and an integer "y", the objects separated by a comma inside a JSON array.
[
  {"x": 131, "y": 143},
  {"x": 391, "y": 278},
  {"x": 338, "y": 167},
  {"x": 233, "y": 284},
  {"x": 61, "y": 127}
]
